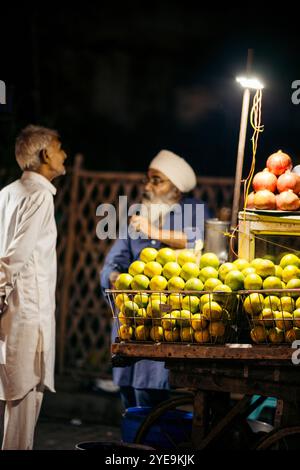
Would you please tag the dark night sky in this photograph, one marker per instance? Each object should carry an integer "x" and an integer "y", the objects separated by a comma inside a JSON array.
[{"x": 121, "y": 81}]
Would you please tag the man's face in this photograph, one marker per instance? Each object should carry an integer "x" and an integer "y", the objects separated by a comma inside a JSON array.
[
  {"x": 57, "y": 157},
  {"x": 159, "y": 187}
]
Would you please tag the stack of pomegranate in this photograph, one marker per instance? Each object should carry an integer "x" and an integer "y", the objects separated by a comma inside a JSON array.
[{"x": 276, "y": 187}]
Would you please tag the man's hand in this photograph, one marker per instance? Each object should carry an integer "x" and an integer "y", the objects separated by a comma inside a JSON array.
[
  {"x": 141, "y": 224},
  {"x": 112, "y": 278}
]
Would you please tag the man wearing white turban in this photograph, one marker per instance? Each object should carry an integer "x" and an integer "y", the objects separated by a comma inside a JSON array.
[{"x": 163, "y": 221}]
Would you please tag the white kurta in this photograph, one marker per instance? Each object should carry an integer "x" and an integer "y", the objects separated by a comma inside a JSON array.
[{"x": 27, "y": 280}]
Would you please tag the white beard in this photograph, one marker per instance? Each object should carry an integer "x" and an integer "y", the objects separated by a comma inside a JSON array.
[{"x": 156, "y": 209}]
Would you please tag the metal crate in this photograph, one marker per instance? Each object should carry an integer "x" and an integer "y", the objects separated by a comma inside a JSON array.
[
  {"x": 199, "y": 317},
  {"x": 273, "y": 316}
]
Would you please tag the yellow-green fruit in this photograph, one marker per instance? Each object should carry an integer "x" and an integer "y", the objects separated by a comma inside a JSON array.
[
  {"x": 255, "y": 262},
  {"x": 141, "y": 299},
  {"x": 272, "y": 302},
  {"x": 175, "y": 301},
  {"x": 298, "y": 303},
  {"x": 137, "y": 267},
  {"x": 142, "y": 333},
  {"x": 168, "y": 321},
  {"x": 208, "y": 273},
  {"x": 283, "y": 284},
  {"x": 120, "y": 300},
  {"x": 141, "y": 317},
  {"x": 222, "y": 295},
  {"x": 272, "y": 282},
  {"x": 187, "y": 334},
  {"x": 212, "y": 311},
  {"x": 123, "y": 281},
  {"x": 186, "y": 256},
  {"x": 202, "y": 336},
  {"x": 125, "y": 332},
  {"x": 148, "y": 254},
  {"x": 209, "y": 259},
  {"x": 154, "y": 312},
  {"x": 290, "y": 272},
  {"x": 266, "y": 318},
  {"x": 158, "y": 283},
  {"x": 171, "y": 269},
  {"x": 284, "y": 320},
  {"x": 153, "y": 268},
  {"x": 165, "y": 255},
  {"x": 258, "y": 334},
  {"x": 235, "y": 280},
  {"x": 204, "y": 299},
  {"x": 276, "y": 336},
  {"x": 292, "y": 335},
  {"x": 289, "y": 260},
  {"x": 199, "y": 322},
  {"x": 176, "y": 284},
  {"x": 140, "y": 282},
  {"x": 296, "y": 318},
  {"x": 124, "y": 320},
  {"x": 241, "y": 264},
  {"x": 157, "y": 333},
  {"x": 184, "y": 317},
  {"x": 189, "y": 270},
  {"x": 253, "y": 282},
  {"x": 224, "y": 270},
  {"x": 254, "y": 304},
  {"x": 287, "y": 304},
  {"x": 194, "y": 284},
  {"x": 172, "y": 335},
  {"x": 216, "y": 329},
  {"x": 129, "y": 308},
  {"x": 249, "y": 270},
  {"x": 210, "y": 284},
  {"x": 278, "y": 271},
  {"x": 191, "y": 303},
  {"x": 264, "y": 268},
  {"x": 163, "y": 298},
  {"x": 293, "y": 284}
]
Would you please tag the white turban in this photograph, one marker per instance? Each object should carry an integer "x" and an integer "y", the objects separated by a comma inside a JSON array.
[{"x": 176, "y": 169}]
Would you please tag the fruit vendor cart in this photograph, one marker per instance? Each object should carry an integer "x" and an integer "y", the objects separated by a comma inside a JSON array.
[
  {"x": 241, "y": 343},
  {"x": 212, "y": 373}
]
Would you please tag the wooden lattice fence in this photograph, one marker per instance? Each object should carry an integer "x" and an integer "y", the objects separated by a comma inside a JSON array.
[{"x": 83, "y": 318}]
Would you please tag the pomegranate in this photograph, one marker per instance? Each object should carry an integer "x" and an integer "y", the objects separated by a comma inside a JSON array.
[
  {"x": 287, "y": 201},
  {"x": 287, "y": 181},
  {"x": 264, "y": 180},
  {"x": 250, "y": 201},
  {"x": 279, "y": 162},
  {"x": 264, "y": 199}
]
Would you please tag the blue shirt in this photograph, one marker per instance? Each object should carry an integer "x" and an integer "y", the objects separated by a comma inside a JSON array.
[{"x": 190, "y": 214}]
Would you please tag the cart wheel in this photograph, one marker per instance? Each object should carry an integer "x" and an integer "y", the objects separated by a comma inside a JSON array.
[
  {"x": 281, "y": 439},
  {"x": 157, "y": 412}
]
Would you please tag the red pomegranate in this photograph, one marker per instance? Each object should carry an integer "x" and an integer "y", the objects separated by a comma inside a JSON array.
[
  {"x": 264, "y": 180},
  {"x": 279, "y": 162},
  {"x": 250, "y": 201},
  {"x": 287, "y": 181},
  {"x": 264, "y": 199},
  {"x": 287, "y": 201}
]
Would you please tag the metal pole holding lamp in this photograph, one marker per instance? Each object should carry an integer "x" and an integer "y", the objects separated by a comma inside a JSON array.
[{"x": 248, "y": 84}]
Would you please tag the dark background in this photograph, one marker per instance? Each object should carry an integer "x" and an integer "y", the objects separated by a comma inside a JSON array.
[{"x": 120, "y": 81}]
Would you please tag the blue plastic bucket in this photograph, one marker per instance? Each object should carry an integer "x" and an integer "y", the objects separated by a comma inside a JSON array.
[
  {"x": 172, "y": 429},
  {"x": 264, "y": 412}
]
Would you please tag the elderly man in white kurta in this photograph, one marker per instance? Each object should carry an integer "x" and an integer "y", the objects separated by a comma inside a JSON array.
[{"x": 27, "y": 284}]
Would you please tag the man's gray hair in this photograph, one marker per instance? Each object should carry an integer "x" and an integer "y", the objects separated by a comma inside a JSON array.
[{"x": 30, "y": 142}]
